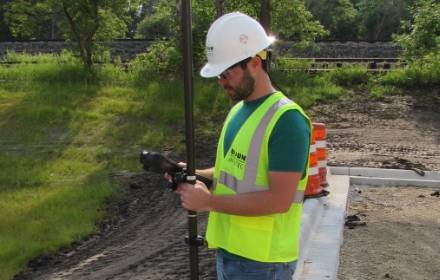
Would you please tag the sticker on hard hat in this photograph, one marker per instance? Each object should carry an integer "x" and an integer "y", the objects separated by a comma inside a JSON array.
[
  {"x": 209, "y": 51},
  {"x": 243, "y": 39}
]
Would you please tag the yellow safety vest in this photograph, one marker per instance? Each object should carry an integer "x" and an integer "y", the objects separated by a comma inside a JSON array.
[{"x": 245, "y": 168}]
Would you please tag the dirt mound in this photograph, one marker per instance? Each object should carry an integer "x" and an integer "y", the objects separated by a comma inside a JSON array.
[
  {"x": 142, "y": 237},
  {"x": 400, "y": 132}
]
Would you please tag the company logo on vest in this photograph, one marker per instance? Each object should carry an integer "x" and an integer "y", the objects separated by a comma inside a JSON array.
[{"x": 237, "y": 158}]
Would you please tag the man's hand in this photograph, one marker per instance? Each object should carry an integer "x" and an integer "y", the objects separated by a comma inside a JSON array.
[
  {"x": 196, "y": 198},
  {"x": 169, "y": 177}
]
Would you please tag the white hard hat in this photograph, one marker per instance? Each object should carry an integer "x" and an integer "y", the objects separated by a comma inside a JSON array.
[{"x": 232, "y": 38}]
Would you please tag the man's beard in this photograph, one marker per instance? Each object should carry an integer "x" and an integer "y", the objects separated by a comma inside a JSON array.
[{"x": 245, "y": 89}]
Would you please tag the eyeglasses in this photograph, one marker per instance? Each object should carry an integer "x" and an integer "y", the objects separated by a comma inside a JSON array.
[{"x": 227, "y": 73}]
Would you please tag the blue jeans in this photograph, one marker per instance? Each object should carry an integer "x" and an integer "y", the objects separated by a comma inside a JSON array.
[{"x": 243, "y": 269}]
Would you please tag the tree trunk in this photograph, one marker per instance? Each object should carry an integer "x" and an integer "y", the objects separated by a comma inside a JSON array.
[
  {"x": 265, "y": 15},
  {"x": 84, "y": 36},
  {"x": 219, "y": 8}
]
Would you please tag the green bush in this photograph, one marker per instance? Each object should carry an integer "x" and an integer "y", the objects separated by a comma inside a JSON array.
[
  {"x": 157, "y": 26},
  {"x": 19, "y": 57},
  {"x": 287, "y": 63},
  {"x": 306, "y": 89},
  {"x": 422, "y": 36},
  {"x": 349, "y": 76},
  {"x": 163, "y": 60},
  {"x": 422, "y": 73},
  {"x": 60, "y": 68}
]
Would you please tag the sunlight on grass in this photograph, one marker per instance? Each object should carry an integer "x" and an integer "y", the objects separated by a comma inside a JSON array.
[{"x": 38, "y": 220}]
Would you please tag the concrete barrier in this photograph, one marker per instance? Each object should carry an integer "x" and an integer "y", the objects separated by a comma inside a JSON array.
[
  {"x": 388, "y": 177},
  {"x": 321, "y": 235}
]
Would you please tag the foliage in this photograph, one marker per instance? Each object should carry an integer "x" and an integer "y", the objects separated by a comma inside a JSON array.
[
  {"x": 349, "y": 76},
  {"x": 292, "y": 64},
  {"x": 203, "y": 13},
  {"x": 27, "y": 19},
  {"x": 339, "y": 17},
  {"x": 18, "y": 57},
  {"x": 248, "y": 7},
  {"x": 360, "y": 19},
  {"x": 135, "y": 14},
  {"x": 306, "y": 89},
  {"x": 162, "y": 23},
  {"x": 157, "y": 26},
  {"x": 291, "y": 20},
  {"x": 296, "y": 23},
  {"x": 63, "y": 68},
  {"x": 421, "y": 73},
  {"x": 85, "y": 22},
  {"x": 5, "y": 33},
  {"x": 422, "y": 36},
  {"x": 379, "y": 19},
  {"x": 344, "y": 19},
  {"x": 162, "y": 60}
]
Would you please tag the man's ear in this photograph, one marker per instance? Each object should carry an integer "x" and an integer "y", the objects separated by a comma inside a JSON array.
[{"x": 256, "y": 63}]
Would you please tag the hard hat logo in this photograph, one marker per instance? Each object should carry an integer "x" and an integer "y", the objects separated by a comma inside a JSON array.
[
  {"x": 209, "y": 51},
  {"x": 244, "y": 39}
]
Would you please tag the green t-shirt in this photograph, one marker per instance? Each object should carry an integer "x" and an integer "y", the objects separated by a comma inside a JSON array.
[{"x": 289, "y": 142}]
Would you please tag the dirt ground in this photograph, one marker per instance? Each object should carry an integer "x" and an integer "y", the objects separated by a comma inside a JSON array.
[
  {"x": 142, "y": 237},
  {"x": 395, "y": 235}
]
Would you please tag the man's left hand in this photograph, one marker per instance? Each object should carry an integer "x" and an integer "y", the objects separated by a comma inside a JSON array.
[{"x": 195, "y": 197}]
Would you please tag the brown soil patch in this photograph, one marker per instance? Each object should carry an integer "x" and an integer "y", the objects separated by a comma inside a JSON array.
[{"x": 400, "y": 238}]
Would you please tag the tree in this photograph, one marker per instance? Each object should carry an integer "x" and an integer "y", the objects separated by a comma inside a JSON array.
[
  {"x": 291, "y": 20},
  {"x": 29, "y": 19},
  {"x": 379, "y": 19},
  {"x": 337, "y": 16},
  {"x": 5, "y": 33},
  {"x": 86, "y": 22},
  {"x": 138, "y": 14},
  {"x": 422, "y": 31},
  {"x": 219, "y": 8},
  {"x": 161, "y": 23},
  {"x": 265, "y": 14}
]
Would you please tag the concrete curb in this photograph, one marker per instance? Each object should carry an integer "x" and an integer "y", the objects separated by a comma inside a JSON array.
[
  {"x": 388, "y": 177},
  {"x": 322, "y": 232}
]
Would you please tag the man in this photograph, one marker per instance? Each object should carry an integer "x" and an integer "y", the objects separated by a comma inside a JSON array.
[{"x": 262, "y": 156}]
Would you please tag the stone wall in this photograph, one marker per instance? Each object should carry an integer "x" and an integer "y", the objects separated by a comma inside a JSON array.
[
  {"x": 127, "y": 49},
  {"x": 334, "y": 49}
]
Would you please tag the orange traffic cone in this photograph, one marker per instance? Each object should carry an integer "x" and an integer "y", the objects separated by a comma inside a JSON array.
[
  {"x": 313, "y": 188},
  {"x": 320, "y": 132}
]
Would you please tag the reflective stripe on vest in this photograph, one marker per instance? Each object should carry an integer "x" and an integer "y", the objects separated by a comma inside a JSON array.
[
  {"x": 237, "y": 185},
  {"x": 248, "y": 184}
]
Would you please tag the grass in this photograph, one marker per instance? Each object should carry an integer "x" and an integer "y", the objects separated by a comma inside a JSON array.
[
  {"x": 60, "y": 138},
  {"x": 306, "y": 89},
  {"x": 40, "y": 220},
  {"x": 64, "y": 129},
  {"x": 414, "y": 76}
]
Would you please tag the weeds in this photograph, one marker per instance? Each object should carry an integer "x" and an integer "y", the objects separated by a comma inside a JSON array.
[
  {"x": 349, "y": 76},
  {"x": 423, "y": 73}
]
